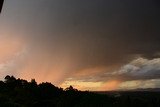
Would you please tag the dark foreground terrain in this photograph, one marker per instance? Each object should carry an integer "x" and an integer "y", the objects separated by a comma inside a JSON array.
[{"x": 21, "y": 93}]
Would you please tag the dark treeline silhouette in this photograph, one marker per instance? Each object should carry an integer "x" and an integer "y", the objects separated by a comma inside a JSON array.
[{"x": 21, "y": 93}]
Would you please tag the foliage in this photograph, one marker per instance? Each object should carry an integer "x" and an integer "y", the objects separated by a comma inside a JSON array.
[{"x": 21, "y": 93}]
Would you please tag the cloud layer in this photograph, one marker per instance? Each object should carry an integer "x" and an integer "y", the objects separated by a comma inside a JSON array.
[
  {"x": 139, "y": 73},
  {"x": 141, "y": 69},
  {"x": 81, "y": 40}
]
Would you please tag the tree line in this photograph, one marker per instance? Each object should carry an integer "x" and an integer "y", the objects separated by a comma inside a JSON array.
[{"x": 21, "y": 93}]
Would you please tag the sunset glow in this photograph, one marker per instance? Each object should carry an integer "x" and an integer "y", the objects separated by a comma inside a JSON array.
[
  {"x": 110, "y": 85},
  {"x": 92, "y": 45}
]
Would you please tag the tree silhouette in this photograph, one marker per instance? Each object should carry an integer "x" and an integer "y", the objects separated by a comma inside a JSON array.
[
  {"x": 9, "y": 79},
  {"x": 21, "y": 93},
  {"x": 70, "y": 88}
]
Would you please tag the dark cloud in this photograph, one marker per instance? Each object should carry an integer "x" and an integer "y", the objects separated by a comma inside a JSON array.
[
  {"x": 141, "y": 69},
  {"x": 138, "y": 69},
  {"x": 73, "y": 35}
]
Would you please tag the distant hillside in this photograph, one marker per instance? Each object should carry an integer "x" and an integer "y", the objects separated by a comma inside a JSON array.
[{"x": 147, "y": 89}]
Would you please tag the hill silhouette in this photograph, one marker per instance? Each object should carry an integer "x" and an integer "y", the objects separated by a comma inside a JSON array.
[{"x": 21, "y": 93}]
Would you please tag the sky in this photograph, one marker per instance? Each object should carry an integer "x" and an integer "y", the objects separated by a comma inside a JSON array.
[{"x": 91, "y": 44}]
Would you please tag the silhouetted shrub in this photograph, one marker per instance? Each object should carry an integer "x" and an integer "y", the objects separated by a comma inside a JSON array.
[{"x": 21, "y": 93}]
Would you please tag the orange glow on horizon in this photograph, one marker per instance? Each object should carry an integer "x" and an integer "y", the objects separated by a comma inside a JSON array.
[
  {"x": 110, "y": 85},
  {"x": 82, "y": 85}
]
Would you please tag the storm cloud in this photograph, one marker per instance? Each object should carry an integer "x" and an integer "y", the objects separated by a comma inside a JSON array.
[
  {"x": 141, "y": 69},
  {"x": 61, "y": 39}
]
